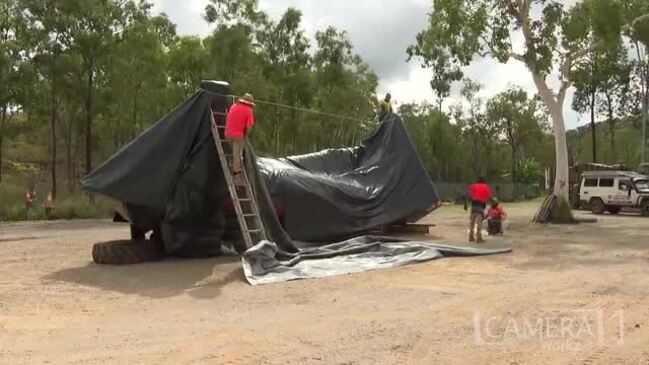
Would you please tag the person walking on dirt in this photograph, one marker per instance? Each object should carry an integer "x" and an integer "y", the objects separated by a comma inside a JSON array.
[
  {"x": 385, "y": 107},
  {"x": 479, "y": 195},
  {"x": 239, "y": 122}
]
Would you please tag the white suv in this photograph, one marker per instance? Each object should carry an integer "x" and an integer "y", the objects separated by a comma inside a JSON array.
[{"x": 613, "y": 190}]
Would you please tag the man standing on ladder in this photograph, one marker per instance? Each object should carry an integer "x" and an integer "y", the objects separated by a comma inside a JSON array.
[{"x": 238, "y": 124}]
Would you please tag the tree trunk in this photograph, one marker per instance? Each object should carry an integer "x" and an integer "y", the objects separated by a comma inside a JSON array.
[
  {"x": 277, "y": 132},
  {"x": 512, "y": 144},
  {"x": 53, "y": 141},
  {"x": 135, "y": 127},
  {"x": 514, "y": 165},
  {"x": 644, "y": 75},
  {"x": 68, "y": 152},
  {"x": 91, "y": 68},
  {"x": 89, "y": 120},
  {"x": 561, "y": 181},
  {"x": 593, "y": 127},
  {"x": 3, "y": 120},
  {"x": 611, "y": 126}
]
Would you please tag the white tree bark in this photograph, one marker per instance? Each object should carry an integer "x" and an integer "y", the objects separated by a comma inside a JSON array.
[{"x": 554, "y": 105}]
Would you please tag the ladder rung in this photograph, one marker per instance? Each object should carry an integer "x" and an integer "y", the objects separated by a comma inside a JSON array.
[
  {"x": 220, "y": 126},
  {"x": 254, "y": 231},
  {"x": 250, "y": 215},
  {"x": 245, "y": 200}
]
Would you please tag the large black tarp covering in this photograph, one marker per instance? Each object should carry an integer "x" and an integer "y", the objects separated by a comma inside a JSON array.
[
  {"x": 170, "y": 180},
  {"x": 352, "y": 189}
]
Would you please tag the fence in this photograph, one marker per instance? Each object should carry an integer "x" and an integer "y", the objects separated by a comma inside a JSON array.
[{"x": 504, "y": 192}]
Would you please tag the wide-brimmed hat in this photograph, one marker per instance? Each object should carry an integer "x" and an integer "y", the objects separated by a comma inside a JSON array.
[{"x": 247, "y": 99}]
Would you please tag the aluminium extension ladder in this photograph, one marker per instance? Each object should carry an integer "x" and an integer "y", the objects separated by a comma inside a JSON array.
[{"x": 243, "y": 199}]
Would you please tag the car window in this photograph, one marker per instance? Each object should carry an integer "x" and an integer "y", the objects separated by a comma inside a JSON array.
[
  {"x": 606, "y": 183},
  {"x": 590, "y": 183},
  {"x": 642, "y": 185},
  {"x": 624, "y": 185}
]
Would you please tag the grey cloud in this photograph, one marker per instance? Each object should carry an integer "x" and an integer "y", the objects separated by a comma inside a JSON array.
[
  {"x": 380, "y": 30},
  {"x": 187, "y": 15}
]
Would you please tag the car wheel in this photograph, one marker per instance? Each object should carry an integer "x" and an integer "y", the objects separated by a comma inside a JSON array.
[
  {"x": 644, "y": 208},
  {"x": 597, "y": 206}
]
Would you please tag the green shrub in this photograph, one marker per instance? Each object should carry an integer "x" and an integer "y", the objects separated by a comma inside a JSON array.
[
  {"x": 36, "y": 214},
  {"x": 16, "y": 213},
  {"x": 79, "y": 207}
]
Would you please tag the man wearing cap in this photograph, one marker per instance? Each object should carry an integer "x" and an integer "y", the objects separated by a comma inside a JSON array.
[{"x": 238, "y": 124}]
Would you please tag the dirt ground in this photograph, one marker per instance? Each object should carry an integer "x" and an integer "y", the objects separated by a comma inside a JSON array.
[{"x": 566, "y": 295}]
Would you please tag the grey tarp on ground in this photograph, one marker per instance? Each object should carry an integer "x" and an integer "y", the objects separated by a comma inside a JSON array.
[
  {"x": 169, "y": 179},
  {"x": 266, "y": 263}
]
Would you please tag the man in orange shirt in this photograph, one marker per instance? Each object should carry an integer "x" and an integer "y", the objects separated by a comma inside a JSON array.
[
  {"x": 238, "y": 124},
  {"x": 479, "y": 195}
]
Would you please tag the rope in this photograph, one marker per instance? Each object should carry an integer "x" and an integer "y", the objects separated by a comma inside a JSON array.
[{"x": 285, "y": 106}]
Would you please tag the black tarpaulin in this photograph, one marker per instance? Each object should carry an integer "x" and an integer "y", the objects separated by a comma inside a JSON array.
[
  {"x": 352, "y": 190},
  {"x": 170, "y": 180}
]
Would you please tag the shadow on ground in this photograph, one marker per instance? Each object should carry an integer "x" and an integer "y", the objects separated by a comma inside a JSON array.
[{"x": 201, "y": 279}]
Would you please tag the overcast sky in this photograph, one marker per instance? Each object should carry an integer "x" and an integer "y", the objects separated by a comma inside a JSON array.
[{"x": 380, "y": 30}]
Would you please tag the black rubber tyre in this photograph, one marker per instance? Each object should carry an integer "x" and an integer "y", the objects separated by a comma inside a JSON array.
[
  {"x": 613, "y": 209},
  {"x": 597, "y": 206},
  {"x": 126, "y": 252},
  {"x": 644, "y": 208}
]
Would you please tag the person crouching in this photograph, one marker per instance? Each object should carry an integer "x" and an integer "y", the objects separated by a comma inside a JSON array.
[
  {"x": 496, "y": 218},
  {"x": 239, "y": 122}
]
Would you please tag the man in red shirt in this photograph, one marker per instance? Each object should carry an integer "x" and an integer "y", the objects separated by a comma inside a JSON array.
[
  {"x": 479, "y": 195},
  {"x": 238, "y": 124}
]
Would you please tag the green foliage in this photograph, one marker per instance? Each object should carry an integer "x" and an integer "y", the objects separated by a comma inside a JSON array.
[
  {"x": 627, "y": 144},
  {"x": 529, "y": 171},
  {"x": 478, "y": 141},
  {"x": 518, "y": 122},
  {"x": 438, "y": 141}
]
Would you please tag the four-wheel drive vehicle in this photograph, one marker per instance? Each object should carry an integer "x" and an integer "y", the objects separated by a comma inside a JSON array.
[{"x": 613, "y": 190}]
